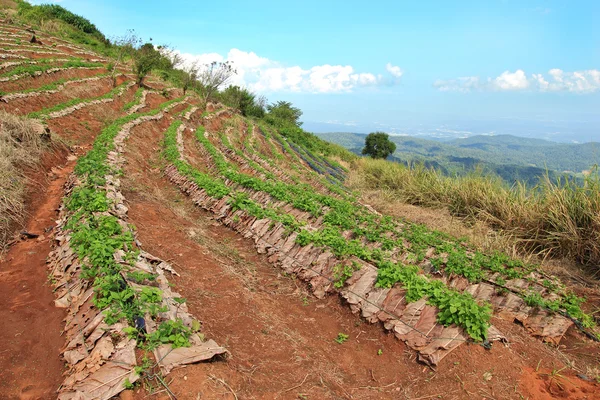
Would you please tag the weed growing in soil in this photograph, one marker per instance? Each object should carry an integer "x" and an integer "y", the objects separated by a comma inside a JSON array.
[{"x": 342, "y": 338}]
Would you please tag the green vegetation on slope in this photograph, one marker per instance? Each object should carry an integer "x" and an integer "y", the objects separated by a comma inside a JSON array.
[
  {"x": 95, "y": 238},
  {"x": 67, "y": 24},
  {"x": 555, "y": 218},
  {"x": 374, "y": 239}
]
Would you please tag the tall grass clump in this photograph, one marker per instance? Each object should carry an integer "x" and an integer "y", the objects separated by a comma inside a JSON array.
[
  {"x": 20, "y": 148},
  {"x": 558, "y": 218}
]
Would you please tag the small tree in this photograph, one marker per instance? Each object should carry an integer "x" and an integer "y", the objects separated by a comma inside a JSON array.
[
  {"x": 244, "y": 100},
  {"x": 284, "y": 111},
  {"x": 378, "y": 145},
  {"x": 213, "y": 76},
  {"x": 145, "y": 59},
  {"x": 125, "y": 46},
  {"x": 189, "y": 76}
]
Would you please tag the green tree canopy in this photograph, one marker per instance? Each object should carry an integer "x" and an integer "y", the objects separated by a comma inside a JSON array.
[
  {"x": 378, "y": 145},
  {"x": 247, "y": 102},
  {"x": 284, "y": 111}
]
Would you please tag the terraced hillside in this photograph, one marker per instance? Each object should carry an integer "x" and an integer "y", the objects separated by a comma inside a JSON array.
[{"x": 176, "y": 232}]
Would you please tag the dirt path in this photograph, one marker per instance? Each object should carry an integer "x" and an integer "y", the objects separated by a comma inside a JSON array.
[{"x": 31, "y": 326}]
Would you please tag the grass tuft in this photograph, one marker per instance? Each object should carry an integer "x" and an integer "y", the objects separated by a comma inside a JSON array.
[
  {"x": 556, "y": 218},
  {"x": 20, "y": 148}
]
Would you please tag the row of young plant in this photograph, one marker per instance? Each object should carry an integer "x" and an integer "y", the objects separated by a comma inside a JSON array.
[
  {"x": 47, "y": 64},
  {"x": 455, "y": 308},
  {"x": 95, "y": 237},
  {"x": 453, "y": 255},
  {"x": 216, "y": 187},
  {"x": 137, "y": 97},
  {"x": 52, "y": 86},
  {"x": 45, "y": 113},
  {"x": 268, "y": 174},
  {"x": 256, "y": 166},
  {"x": 335, "y": 186},
  {"x": 254, "y": 149},
  {"x": 268, "y": 138}
]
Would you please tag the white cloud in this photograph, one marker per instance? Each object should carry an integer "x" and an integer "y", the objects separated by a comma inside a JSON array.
[
  {"x": 512, "y": 80},
  {"x": 556, "y": 80},
  {"x": 394, "y": 70},
  {"x": 264, "y": 75}
]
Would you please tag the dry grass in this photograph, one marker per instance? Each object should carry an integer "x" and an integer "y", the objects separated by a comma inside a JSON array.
[
  {"x": 8, "y": 4},
  {"x": 20, "y": 148},
  {"x": 557, "y": 219}
]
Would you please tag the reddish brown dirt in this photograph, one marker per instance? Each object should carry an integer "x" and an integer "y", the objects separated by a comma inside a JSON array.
[
  {"x": 81, "y": 126},
  {"x": 153, "y": 100},
  {"x": 82, "y": 90},
  {"x": 30, "y": 365},
  {"x": 545, "y": 384},
  {"x": 280, "y": 338},
  {"x": 31, "y": 326},
  {"x": 44, "y": 79},
  {"x": 36, "y": 55}
]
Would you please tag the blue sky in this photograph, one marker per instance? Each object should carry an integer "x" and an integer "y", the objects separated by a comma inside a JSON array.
[{"x": 497, "y": 66}]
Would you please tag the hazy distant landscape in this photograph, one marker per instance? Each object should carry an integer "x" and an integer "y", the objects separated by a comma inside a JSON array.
[
  {"x": 579, "y": 130},
  {"x": 511, "y": 157}
]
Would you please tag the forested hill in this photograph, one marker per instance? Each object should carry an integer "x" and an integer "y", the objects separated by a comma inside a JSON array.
[{"x": 509, "y": 156}]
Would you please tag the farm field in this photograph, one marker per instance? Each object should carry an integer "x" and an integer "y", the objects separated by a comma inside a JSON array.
[{"x": 179, "y": 249}]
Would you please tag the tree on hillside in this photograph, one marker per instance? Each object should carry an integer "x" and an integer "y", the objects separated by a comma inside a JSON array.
[
  {"x": 145, "y": 59},
  {"x": 378, "y": 145},
  {"x": 213, "y": 76},
  {"x": 125, "y": 46},
  {"x": 283, "y": 111},
  {"x": 189, "y": 76},
  {"x": 242, "y": 99}
]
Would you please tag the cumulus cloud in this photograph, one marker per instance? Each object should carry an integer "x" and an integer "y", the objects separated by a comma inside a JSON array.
[
  {"x": 394, "y": 70},
  {"x": 555, "y": 80},
  {"x": 511, "y": 80},
  {"x": 261, "y": 74}
]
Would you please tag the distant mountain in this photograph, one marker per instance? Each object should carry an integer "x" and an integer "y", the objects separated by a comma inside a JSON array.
[{"x": 511, "y": 157}]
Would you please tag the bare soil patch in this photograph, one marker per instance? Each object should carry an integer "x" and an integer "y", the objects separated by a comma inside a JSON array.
[
  {"x": 83, "y": 90},
  {"x": 44, "y": 79},
  {"x": 30, "y": 367}
]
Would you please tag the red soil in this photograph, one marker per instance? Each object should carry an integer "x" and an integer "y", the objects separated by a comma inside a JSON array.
[
  {"x": 44, "y": 79},
  {"x": 81, "y": 90},
  {"x": 31, "y": 326}
]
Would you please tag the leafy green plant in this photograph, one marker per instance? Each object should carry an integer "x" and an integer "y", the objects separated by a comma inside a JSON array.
[
  {"x": 173, "y": 332},
  {"x": 341, "y": 273},
  {"x": 342, "y": 338}
]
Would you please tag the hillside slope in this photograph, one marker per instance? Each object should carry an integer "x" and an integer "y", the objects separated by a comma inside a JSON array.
[{"x": 187, "y": 232}]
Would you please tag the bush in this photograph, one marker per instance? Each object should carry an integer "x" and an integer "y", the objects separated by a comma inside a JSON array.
[
  {"x": 243, "y": 100},
  {"x": 53, "y": 11}
]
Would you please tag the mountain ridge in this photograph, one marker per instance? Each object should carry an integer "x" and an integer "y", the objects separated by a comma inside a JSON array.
[{"x": 493, "y": 152}]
